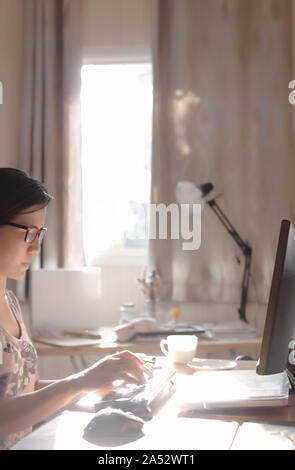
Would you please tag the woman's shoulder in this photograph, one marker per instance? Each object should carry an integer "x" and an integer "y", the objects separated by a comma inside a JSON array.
[
  {"x": 12, "y": 297},
  {"x": 13, "y": 300},
  {"x": 3, "y": 343},
  {"x": 15, "y": 305}
]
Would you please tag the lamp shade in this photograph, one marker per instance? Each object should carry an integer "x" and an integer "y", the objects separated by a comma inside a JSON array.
[
  {"x": 189, "y": 193},
  {"x": 206, "y": 188}
]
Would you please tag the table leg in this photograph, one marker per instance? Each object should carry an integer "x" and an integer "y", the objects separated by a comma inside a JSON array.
[{"x": 74, "y": 364}]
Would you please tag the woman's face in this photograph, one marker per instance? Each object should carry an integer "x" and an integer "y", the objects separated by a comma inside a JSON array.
[{"x": 16, "y": 255}]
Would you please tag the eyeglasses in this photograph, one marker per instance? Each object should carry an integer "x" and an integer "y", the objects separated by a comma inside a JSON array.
[{"x": 31, "y": 232}]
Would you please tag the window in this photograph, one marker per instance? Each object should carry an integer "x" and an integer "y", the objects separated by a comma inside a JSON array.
[{"x": 116, "y": 110}]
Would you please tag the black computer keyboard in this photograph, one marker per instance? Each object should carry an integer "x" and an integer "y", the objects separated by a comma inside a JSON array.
[{"x": 139, "y": 398}]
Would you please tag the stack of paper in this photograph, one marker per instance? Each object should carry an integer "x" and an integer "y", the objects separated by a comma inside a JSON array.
[{"x": 66, "y": 341}]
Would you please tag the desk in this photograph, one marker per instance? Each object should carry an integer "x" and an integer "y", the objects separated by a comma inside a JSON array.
[
  {"x": 224, "y": 348},
  {"x": 151, "y": 346},
  {"x": 168, "y": 430}
]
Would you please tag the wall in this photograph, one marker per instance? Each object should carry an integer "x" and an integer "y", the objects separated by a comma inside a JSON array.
[{"x": 110, "y": 23}]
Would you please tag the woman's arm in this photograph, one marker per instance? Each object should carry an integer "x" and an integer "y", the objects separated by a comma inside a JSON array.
[
  {"x": 21, "y": 412},
  {"x": 26, "y": 410},
  {"x": 43, "y": 383}
]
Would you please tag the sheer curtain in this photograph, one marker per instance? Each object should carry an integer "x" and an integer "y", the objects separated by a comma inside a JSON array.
[
  {"x": 221, "y": 114},
  {"x": 50, "y": 123}
]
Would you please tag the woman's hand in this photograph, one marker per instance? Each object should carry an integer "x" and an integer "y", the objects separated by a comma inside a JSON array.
[{"x": 124, "y": 366}]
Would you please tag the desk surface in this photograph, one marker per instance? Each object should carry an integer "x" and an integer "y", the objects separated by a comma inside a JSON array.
[
  {"x": 169, "y": 430},
  {"x": 150, "y": 346}
]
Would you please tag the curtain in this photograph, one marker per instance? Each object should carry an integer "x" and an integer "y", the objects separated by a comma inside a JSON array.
[
  {"x": 50, "y": 122},
  {"x": 50, "y": 125},
  {"x": 222, "y": 115}
]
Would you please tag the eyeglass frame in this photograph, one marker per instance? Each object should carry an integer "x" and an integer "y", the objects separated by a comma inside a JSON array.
[{"x": 27, "y": 228}]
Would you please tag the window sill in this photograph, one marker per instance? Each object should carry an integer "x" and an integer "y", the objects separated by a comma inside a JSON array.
[{"x": 122, "y": 258}]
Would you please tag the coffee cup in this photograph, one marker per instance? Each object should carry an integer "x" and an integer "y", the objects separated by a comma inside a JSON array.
[{"x": 179, "y": 348}]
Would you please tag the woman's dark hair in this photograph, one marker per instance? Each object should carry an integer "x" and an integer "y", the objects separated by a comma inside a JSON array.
[{"x": 18, "y": 191}]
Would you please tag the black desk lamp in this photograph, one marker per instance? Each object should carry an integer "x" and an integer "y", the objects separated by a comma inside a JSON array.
[{"x": 189, "y": 193}]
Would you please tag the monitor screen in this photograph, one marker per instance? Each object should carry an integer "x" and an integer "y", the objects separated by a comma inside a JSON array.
[{"x": 279, "y": 328}]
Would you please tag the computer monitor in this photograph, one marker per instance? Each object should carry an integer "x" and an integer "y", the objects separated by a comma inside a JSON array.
[{"x": 279, "y": 328}]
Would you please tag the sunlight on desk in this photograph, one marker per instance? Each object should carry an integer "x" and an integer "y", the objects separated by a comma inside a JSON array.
[
  {"x": 230, "y": 389},
  {"x": 256, "y": 436},
  {"x": 163, "y": 432}
]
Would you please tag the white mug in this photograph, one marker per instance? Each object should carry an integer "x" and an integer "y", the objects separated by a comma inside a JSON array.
[{"x": 181, "y": 348}]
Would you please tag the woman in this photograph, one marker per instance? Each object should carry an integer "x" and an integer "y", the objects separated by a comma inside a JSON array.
[{"x": 24, "y": 399}]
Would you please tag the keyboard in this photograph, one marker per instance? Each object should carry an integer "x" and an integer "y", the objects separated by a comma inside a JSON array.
[{"x": 140, "y": 399}]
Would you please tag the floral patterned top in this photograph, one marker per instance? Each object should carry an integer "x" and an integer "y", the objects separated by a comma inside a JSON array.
[{"x": 18, "y": 366}]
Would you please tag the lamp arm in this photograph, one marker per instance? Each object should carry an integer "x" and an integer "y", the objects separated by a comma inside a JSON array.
[
  {"x": 245, "y": 286},
  {"x": 247, "y": 252},
  {"x": 246, "y": 249}
]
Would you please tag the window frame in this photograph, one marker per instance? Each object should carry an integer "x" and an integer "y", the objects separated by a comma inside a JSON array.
[
  {"x": 116, "y": 55},
  {"x": 119, "y": 55}
]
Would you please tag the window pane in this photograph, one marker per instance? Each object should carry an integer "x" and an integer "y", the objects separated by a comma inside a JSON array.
[{"x": 116, "y": 102}]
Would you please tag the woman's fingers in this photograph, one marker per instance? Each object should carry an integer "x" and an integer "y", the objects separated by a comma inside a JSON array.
[
  {"x": 137, "y": 367},
  {"x": 148, "y": 370},
  {"x": 127, "y": 366},
  {"x": 120, "y": 366},
  {"x": 127, "y": 377},
  {"x": 128, "y": 355},
  {"x": 135, "y": 361}
]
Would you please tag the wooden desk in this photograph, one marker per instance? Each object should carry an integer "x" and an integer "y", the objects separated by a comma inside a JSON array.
[
  {"x": 108, "y": 345},
  {"x": 169, "y": 430}
]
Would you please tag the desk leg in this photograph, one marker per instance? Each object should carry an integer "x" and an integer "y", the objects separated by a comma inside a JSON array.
[
  {"x": 74, "y": 364},
  {"x": 83, "y": 362}
]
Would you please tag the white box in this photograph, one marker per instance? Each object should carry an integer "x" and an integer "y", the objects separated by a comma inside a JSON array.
[{"x": 64, "y": 299}]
